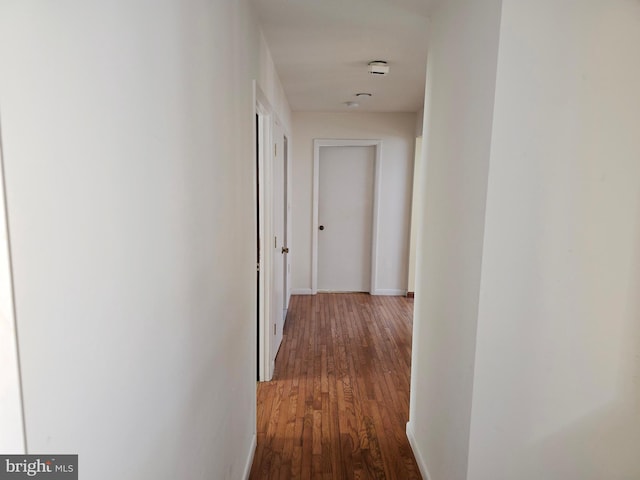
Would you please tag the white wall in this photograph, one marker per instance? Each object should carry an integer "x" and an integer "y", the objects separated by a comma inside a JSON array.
[
  {"x": 556, "y": 368},
  {"x": 396, "y": 130},
  {"x": 461, "y": 72},
  {"x": 416, "y": 202},
  {"x": 11, "y": 425},
  {"x": 127, "y": 133},
  {"x": 270, "y": 84},
  {"x": 419, "y": 122},
  {"x": 557, "y": 387},
  {"x": 417, "y": 207}
]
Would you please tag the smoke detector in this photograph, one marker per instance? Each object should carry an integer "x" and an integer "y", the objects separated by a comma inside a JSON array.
[
  {"x": 378, "y": 67},
  {"x": 352, "y": 104}
]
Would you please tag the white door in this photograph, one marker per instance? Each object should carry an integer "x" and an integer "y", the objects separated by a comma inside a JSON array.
[
  {"x": 345, "y": 218},
  {"x": 278, "y": 245},
  {"x": 287, "y": 227}
]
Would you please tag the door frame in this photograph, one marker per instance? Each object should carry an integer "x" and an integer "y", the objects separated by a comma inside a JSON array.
[
  {"x": 326, "y": 142},
  {"x": 263, "y": 112},
  {"x": 267, "y": 122}
]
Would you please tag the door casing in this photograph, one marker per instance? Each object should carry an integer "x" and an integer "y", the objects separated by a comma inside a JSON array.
[
  {"x": 269, "y": 125},
  {"x": 317, "y": 144}
]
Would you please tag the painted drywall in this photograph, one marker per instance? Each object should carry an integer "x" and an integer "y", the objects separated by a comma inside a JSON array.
[
  {"x": 11, "y": 425},
  {"x": 417, "y": 206},
  {"x": 127, "y": 133},
  {"x": 396, "y": 130},
  {"x": 419, "y": 122},
  {"x": 557, "y": 384},
  {"x": 461, "y": 71},
  {"x": 270, "y": 84}
]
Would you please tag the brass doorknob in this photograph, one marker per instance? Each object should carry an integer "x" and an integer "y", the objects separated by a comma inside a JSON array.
[{"x": 285, "y": 249}]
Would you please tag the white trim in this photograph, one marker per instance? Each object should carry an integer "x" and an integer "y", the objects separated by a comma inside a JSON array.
[
  {"x": 389, "y": 292},
  {"x": 314, "y": 218},
  {"x": 252, "y": 453},
  {"x": 301, "y": 291},
  {"x": 342, "y": 291},
  {"x": 317, "y": 143},
  {"x": 422, "y": 465},
  {"x": 265, "y": 113},
  {"x": 376, "y": 213}
]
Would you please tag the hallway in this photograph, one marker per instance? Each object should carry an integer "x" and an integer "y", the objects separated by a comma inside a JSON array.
[{"x": 339, "y": 399}]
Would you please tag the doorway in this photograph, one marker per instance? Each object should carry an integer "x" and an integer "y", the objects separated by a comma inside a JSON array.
[
  {"x": 262, "y": 186},
  {"x": 346, "y": 177},
  {"x": 286, "y": 258},
  {"x": 272, "y": 225},
  {"x": 258, "y": 256}
]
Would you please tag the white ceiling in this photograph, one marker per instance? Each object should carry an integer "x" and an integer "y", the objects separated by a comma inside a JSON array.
[{"x": 321, "y": 49}]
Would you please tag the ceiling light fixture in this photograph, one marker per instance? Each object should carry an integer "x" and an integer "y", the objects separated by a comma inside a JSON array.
[
  {"x": 378, "y": 67},
  {"x": 363, "y": 95}
]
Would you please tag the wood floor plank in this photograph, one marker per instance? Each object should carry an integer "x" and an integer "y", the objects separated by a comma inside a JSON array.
[{"x": 338, "y": 403}]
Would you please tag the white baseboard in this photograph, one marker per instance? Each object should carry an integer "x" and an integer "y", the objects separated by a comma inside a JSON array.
[
  {"x": 301, "y": 291},
  {"x": 422, "y": 465},
  {"x": 389, "y": 292},
  {"x": 252, "y": 452}
]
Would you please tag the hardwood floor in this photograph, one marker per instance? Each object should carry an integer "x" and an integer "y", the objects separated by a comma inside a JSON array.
[{"x": 339, "y": 399}]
